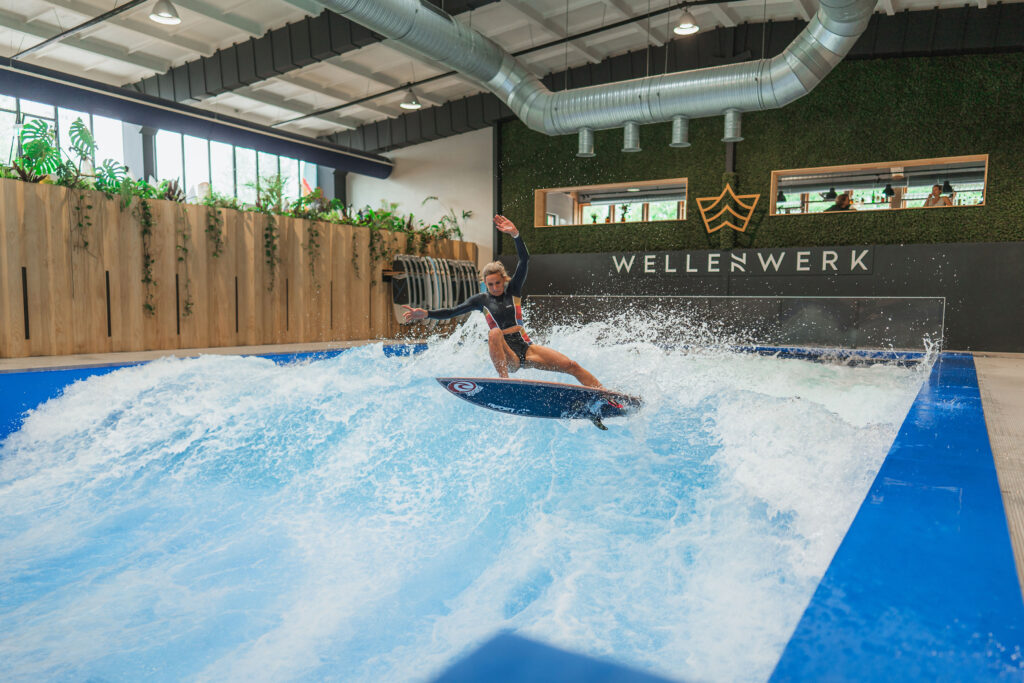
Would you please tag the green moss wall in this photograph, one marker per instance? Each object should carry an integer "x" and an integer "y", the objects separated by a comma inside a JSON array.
[{"x": 865, "y": 111}]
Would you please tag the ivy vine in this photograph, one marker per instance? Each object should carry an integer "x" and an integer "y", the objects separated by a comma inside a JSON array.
[
  {"x": 83, "y": 221},
  {"x": 313, "y": 249},
  {"x": 271, "y": 236},
  {"x": 144, "y": 213},
  {"x": 183, "y": 235}
]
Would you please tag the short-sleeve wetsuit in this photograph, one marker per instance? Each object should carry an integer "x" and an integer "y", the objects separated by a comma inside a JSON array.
[{"x": 501, "y": 312}]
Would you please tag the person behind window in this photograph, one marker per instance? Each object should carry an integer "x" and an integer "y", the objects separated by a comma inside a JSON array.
[
  {"x": 936, "y": 198},
  {"x": 842, "y": 204}
]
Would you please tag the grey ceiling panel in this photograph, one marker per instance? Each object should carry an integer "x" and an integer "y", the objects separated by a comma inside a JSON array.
[{"x": 288, "y": 48}]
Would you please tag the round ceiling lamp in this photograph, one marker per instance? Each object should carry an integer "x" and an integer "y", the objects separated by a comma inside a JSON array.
[
  {"x": 687, "y": 25},
  {"x": 164, "y": 13},
  {"x": 410, "y": 101}
]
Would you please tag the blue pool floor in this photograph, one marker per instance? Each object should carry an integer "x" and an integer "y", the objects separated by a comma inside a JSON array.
[{"x": 922, "y": 587}]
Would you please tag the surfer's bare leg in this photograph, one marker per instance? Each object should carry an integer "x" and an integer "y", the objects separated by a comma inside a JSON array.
[
  {"x": 502, "y": 356},
  {"x": 543, "y": 358}
]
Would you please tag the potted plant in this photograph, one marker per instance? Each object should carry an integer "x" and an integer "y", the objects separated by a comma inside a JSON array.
[
  {"x": 593, "y": 217},
  {"x": 624, "y": 210}
]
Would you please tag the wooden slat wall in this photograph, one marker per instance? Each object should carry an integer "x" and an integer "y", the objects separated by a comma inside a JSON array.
[{"x": 67, "y": 282}]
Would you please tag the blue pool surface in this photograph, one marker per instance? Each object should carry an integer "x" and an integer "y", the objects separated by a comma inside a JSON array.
[{"x": 922, "y": 587}]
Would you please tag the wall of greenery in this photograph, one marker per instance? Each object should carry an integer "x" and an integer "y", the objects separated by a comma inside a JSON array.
[{"x": 865, "y": 111}]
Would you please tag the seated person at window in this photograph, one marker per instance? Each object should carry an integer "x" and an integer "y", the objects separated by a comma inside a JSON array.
[
  {"x": 842, "y": 204},
  {"x": 936, "y": 198}
]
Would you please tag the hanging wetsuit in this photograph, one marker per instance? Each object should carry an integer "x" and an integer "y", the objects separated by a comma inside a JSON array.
[{"x": 502, "y": 312}]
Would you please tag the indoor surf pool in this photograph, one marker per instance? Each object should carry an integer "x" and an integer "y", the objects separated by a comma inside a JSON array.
[{"x": 340, "y": 517}]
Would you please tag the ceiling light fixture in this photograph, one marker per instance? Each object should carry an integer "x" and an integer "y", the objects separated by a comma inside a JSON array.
[
  {"x": 687, "y": 25},
  {"x": 164, "y": 13},
  {"x": 633, "y": 189},
  {"x": 410, "y": 101}
]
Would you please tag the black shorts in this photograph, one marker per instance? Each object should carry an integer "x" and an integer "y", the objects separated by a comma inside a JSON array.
[{"x": 518, "y": 345}]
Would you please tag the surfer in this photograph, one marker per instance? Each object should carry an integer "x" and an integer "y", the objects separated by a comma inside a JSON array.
[{"x": 507, "y": 340}]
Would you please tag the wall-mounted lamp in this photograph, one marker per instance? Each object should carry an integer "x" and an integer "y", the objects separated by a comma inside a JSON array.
[
  {"x": 687, "y": 25},
  {"x": 410, "y": 101},
  {"x": 164, "y": 13}
]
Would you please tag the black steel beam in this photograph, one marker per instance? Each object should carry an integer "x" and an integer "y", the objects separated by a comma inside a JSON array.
[{"x": 278, "y": 51}]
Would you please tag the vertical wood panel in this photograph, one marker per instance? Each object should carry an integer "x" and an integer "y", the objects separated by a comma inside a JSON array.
[
  {"x": 129, "y": 317},
  {"x": 358, "y": 289},
  {"x": 12, "y": 212},
  {"x": 341, "y": 267},
  {"x": 67, "y": 284},
  {"x": 250, "y": 278},
  {"x": 35, "y": 236},
  {"x": 86, "y": 310},
  {"x": 192, "y": 273}
]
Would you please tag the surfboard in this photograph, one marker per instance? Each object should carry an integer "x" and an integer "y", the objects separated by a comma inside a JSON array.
[{"x": 542, "y": 399}]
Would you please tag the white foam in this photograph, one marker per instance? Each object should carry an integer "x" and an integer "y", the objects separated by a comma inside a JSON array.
[{"x": 230, "y": 519}]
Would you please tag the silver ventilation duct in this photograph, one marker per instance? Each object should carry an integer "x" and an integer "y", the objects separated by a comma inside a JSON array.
[{"x": 712, "y": 91}]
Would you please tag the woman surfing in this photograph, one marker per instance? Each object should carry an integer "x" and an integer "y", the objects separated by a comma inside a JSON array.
[{"x": 509, "y": 345}]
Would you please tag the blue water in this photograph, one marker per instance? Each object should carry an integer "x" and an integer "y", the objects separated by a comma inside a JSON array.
[{"x": 228, "y": 518}]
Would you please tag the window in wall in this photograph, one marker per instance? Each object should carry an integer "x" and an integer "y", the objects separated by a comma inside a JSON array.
[
  {"x": 639, "y": 201},
  {"x": 308, "y": 177},
  {"x": 37, "y": 110},
  {"x": 8, "y": 136},
  {"x": 32, "y": 111},
  {"x": 290, "y": 176},
  {"x": 197, "y": 166},
  {"x": 8, "y": 103},
  {"x": 267, "y": 165},
  {"x": 598, "y": 213},
  {"x": 169, "y": 164},
  {"x": 222, "y": 168},
  {"x": 109, "y": 136},
  {"x": 245, "y": 174},
  {"x": 883, "y": 186}
]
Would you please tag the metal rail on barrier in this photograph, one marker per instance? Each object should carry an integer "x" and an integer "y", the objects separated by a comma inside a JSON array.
[{"x": 430, "y": 283}]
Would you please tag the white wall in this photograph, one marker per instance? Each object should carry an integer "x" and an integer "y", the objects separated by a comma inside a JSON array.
[{"x": 459, "y": 171}]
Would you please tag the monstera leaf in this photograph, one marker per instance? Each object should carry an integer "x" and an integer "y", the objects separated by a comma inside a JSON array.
[
  {"x": 82, "y": 142},
  {"x": 39, "y": 152}
]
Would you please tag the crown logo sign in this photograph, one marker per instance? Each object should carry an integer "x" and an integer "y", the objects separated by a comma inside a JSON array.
[{"x": 718, "y": 212}]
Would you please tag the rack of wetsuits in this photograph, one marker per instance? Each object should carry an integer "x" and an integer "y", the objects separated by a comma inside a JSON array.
[{"x": 431, "y": 283}]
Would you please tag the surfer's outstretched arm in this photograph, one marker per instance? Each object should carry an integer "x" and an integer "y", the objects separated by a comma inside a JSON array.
[{"x": 473, "y": 303}]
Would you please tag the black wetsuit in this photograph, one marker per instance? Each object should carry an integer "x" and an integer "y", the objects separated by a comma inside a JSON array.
[{"x": 502, "y": 312}]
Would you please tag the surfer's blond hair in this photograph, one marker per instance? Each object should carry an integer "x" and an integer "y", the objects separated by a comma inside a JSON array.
[{"x": 494, "y": 267}]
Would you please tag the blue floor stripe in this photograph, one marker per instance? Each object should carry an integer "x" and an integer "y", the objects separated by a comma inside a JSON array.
[{"x": 923, "y": 586}]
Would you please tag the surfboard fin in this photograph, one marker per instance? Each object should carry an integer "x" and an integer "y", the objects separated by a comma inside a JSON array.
[{"x": 596, "y": 419}]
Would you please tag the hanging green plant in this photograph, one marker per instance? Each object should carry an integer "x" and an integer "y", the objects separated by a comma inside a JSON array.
[
  {"x": 83, "y": 221},
  {"x": 183, "y": 235},
  {"x": 312, "y": 247},
  {"x": 144, "y": 213}
]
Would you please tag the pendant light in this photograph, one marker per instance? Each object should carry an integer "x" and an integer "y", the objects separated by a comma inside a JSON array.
[
  {"x": 687, "y": 25},
  {"x": 410, "y": 101},
  {"x": 164, "y": 13}
]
